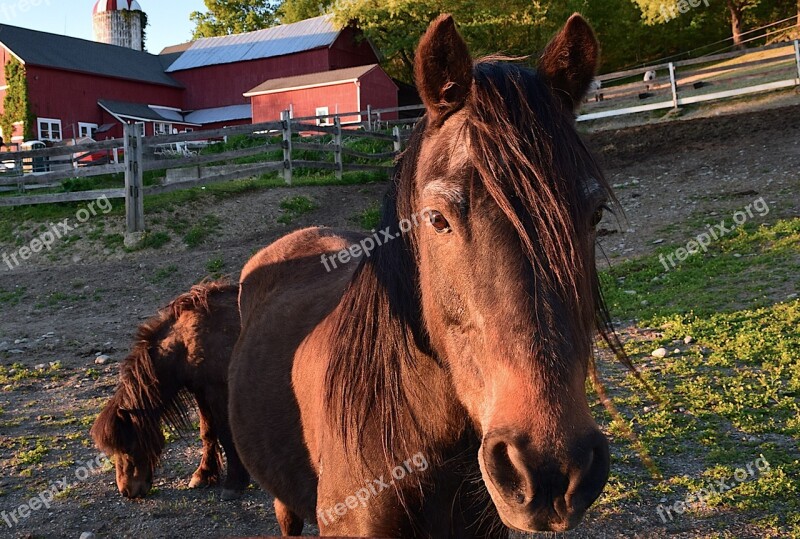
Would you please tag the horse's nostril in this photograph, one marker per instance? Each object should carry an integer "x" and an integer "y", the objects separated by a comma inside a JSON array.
[
  {"x": 508, "y": 470},
  {"x": 588, "y": 483}
]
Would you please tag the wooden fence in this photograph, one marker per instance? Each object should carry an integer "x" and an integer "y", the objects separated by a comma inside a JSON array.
[
  {"x": 777, "y": 67},
  {"x": 25, "y": 172}
]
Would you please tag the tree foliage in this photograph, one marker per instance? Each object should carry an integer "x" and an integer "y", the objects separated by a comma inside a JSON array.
[
  {"x": 297, "y": 10},
  {"x": 16, "y": 103},
  {"x": 225, "y": 17},
  {"x": 631, "y": 32}
]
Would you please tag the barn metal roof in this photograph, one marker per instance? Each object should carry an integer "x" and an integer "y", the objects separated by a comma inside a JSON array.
[
  {"x": 220, "y": 114},
  {"x": 277, "y": 41},
  {"x": 73, "y": 54},
  {"x": 155, "y": 113},
  {"x": 143, "y": 112},
  {"x": 311, "y": 80}
]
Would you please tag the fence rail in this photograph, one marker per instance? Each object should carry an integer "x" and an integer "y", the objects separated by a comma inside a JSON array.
[
  {"x": 36, "y": 169},
  {"x": 774, "y": 67}
]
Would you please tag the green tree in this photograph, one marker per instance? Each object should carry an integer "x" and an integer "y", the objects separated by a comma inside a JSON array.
[
  {"x": 513, "y": 27},
  {"x": 737, "y": 13},
  {"x": 16, "y": 104},
  {"x": 225, "y": 17},
  {"x": 297, "y": 10}
]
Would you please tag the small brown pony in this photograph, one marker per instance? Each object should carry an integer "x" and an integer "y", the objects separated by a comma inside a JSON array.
[
  {"x": 182, "y": 351},
  {"x": 460, "y": 334}
]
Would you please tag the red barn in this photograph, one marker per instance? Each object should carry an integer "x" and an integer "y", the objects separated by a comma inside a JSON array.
[
  {"x": 327, "y": 92},
  {"x": 78, "y": 88},
  {"x": 237, "y": 63}
]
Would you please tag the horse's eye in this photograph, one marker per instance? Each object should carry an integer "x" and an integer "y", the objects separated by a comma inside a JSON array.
[
  {"x": 597, "y": 216},
  {"x": 438, "y": 222}
]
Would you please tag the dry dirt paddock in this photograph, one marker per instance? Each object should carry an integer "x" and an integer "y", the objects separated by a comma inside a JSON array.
[{"x": 60, "y": 311}]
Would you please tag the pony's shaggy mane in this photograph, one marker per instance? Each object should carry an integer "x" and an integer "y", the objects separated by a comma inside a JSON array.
[{"x": 138, "y": 397}]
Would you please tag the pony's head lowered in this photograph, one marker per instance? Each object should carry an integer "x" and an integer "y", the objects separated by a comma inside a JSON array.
[
  {"x": 149, "y": 392},
  {"x": 501, "y": 288}
]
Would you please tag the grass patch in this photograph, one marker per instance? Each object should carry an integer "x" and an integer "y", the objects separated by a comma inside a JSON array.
[
  {"x": 729, "y": 396},
  {"x": 294, "y": 207},
  {"x": 369, "y": 218},
  {"x": 12, "y": 297},
  {"x": 162, "y": 274},
  {"x": 215, "y": 267},
  {"x": 199, "y": 233},
  {"x": 742, "y": 270},
  {"x": 154, "y": 240}
]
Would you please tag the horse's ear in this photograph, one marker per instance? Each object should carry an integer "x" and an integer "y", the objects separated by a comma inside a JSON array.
[
  {"x": 442, "y": 68},
  {"x": 569, "y": 61}
]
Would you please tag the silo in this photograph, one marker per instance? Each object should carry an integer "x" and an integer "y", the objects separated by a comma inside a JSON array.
[{"x": 119, "y": 22}]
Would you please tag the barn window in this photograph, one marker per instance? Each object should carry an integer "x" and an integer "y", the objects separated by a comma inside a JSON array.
[
  {"x": 322, "y": 116},
  {"x": 49, "y": 129},
  {"x": 86, "y": 129},
  {"x": 162, "y": 128}
]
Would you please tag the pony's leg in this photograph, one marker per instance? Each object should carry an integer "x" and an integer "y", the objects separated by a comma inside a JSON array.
[
  {"x": 290, "y": 523},
  {"x": 207, "y": 474},
  {"x": 237, "y": 478}
]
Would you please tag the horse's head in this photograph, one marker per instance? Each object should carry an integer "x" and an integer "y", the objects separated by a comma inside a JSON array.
[
  {"x": 117, "y": 433},
  {"x": 129, "y": 426},
  {"x": 506, "y": 270}
]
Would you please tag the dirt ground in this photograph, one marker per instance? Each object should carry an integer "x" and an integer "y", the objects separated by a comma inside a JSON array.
[{"x": 86, "y": 300}]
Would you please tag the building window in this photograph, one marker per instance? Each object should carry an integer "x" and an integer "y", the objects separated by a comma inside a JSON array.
[
  {"x": 324, "y": 119},
  {"x": 162, "y": 128},
  {"x": 140, "y": 125},
  {"x": 189, "y": 130},
  {"x": 49, "y": 129},
  {"x": 86, "y": 129}
]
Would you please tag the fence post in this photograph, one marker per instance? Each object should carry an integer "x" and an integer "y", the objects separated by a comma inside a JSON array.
[
  {"x": 398, "y": 142},
  {"x": 337, "y": 142},
  {"x": 797, "y": 58},
  {"x": 673, "y": 85},
  {"x": 369, "y": 117},
  {"x": 134, "y": 196},
  {"x": 286, "y": 129}
]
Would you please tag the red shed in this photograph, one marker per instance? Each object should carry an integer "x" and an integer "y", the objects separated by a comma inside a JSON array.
[{"x": 323, "y": 93}]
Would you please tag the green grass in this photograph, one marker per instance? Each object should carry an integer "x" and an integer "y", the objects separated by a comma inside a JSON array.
[
  {"x": 294, "y": 207},
  {"x": 162, "y": 274},
  {"x": 11, "y": 297},
  {"x": 369, "y": 218},
  {"x": 199, "y": 233},
  {"x": 740, "y": 270},
  {"x": 728, "y": 397},
  {"x": 154, "y": 240},
  {"x": 215, "y": 267}
]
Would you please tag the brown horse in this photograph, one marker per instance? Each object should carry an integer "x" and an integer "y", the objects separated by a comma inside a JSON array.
[
  {"x": 459, "y": 335},
  {"x": 181, "y": 352}
]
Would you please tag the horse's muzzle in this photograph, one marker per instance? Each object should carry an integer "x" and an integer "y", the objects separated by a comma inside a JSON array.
[{"x": 540, "y": 488}]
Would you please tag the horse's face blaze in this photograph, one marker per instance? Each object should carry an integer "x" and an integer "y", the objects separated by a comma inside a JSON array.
[{"x": 516, "y": 349}]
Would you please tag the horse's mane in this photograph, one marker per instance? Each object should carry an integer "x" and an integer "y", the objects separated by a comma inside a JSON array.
[
  {"x": 139, "y": 394},
  {"x": 531, "y": 161}
]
